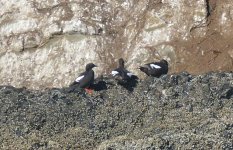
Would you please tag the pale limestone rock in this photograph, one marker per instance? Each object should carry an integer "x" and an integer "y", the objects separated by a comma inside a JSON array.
[
  {"x": 47, "y": 43},
  {"x": 55, "y": 64},
  {"x": 225, "y": 16}
]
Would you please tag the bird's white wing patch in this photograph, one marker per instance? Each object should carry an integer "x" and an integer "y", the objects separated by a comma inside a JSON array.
[
  {"x": 129, "y": 74},
  {"x": 114, "y": 72},
  {"x": 153, "y": 66},
  {"x": 79, "y": 78}
]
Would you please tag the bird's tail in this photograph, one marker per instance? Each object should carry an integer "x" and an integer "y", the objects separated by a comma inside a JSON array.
[{"x": 143, "y": 69}]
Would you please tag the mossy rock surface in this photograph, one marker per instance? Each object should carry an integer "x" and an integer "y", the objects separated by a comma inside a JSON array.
[{"x": 178, "y": 111}]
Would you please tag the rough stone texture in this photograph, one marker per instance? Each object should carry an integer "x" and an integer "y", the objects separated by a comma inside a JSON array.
[
  {"x": 177, "y": 111},
  {"x": 46, "y": 43}
]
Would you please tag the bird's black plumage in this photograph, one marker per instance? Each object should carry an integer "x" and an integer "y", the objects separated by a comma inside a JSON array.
[
  {"x": 86, "y": 79},
  {"x": 155, "y": 69},
  {"x": 121, "y": 74}
]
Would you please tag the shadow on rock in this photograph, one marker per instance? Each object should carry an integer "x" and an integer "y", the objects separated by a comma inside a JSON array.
[
  {"x": 99, "y": 86},
  {"x": 130, "y": 84},
  {"x": 74, "y": 88}
]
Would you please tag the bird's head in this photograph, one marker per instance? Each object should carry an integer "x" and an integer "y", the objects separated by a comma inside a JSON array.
[
  {"x": 164, "y": 62},
  {"x": 121, "y": 62},
  {"x": 90, "y": 66}
]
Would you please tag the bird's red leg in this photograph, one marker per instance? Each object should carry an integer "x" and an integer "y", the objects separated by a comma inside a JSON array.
[{"x": 89, "y": 91}]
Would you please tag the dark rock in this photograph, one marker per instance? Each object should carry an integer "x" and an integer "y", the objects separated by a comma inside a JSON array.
[{"x": 177, "y": 111}]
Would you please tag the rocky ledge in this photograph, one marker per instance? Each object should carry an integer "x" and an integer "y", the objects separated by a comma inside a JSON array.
[{"x": 178, "y": 111}]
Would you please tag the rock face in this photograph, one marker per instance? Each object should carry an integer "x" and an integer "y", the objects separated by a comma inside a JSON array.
[
  {"x": 177, "y": 111},
  {"x": 46, "y": 43}
]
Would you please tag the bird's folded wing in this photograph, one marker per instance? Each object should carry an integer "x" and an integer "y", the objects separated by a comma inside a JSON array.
[
  {"x": 153, "y": 66},
  {"x": 129, "y": 74},
  {"x": 114, "y": 72},
  {"x": 79, "y": 78}
]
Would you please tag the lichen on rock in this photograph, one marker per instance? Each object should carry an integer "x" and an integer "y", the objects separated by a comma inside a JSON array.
[{"x": 177, "y": 111}]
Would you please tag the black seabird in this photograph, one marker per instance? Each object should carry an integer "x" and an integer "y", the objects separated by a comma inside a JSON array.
[
  {"x": 155, "y": 69},
  {"x": 121, "y": 74},
  {"x": 86, "y": 79}
]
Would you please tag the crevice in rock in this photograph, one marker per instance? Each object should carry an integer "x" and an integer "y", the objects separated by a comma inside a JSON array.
[
  {"x": 53, "y": 36},
  {"x": 200, "y": 25},
  {"x": 208, "y": 8}
]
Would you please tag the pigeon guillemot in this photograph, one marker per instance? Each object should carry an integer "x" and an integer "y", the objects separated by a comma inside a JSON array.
[
  {"x": 121, "y": 74},
  {"x": 86, "y": 79},
  {"x": 155, "y": 69}
]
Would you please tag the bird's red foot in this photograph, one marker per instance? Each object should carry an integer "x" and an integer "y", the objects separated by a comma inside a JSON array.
[{"x": 89, "y": 91}]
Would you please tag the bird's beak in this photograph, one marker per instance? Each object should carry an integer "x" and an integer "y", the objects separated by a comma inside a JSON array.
[{"x": 95, "y": 66}]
